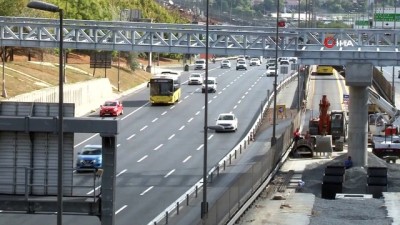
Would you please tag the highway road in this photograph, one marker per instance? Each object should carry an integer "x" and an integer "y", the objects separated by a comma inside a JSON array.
[{"x": 160, "y": 148}]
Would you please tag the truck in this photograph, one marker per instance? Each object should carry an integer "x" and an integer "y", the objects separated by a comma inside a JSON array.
[{"x": 384, "y": 127}]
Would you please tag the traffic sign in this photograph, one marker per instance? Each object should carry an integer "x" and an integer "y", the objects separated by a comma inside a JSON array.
[
  {"x": 346, "y": 98},
  {"x": 387, "y": 17}
]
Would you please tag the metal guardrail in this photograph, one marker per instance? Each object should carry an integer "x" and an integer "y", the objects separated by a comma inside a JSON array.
[{"x": 193, "y": 191}]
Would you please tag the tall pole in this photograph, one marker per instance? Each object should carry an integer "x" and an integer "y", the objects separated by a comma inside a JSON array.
[
  {"x": 395, "y": 14},
  {"x": 393, "y": 93},
  {"x": 60, "y": 164},
  {"x": 273, "y": 140},
  {"x": 298, "y": 19},
  {"x": 4, "y": 94},
  {"x": 204, "y": 204},
  {"x": 306, "y": 19},
  {"x": 60, "y": 125}
]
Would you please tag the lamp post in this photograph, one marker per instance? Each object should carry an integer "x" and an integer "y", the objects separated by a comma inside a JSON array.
[
  {"x": 4, "y": 93},
  {"x": 53, "y": 8},
  {"x": 273, "y": 139},
  {"x": 204, "y": 203}
]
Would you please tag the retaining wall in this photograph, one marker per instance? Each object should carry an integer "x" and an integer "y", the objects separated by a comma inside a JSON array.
[{"x": 87, "y": 95}]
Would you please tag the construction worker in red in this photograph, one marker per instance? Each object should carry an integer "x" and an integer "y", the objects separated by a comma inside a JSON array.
[{"x": 296, "y": 135}]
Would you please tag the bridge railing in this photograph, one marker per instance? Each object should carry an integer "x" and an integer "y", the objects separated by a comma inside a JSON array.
[{"x": 310, "y": 45}]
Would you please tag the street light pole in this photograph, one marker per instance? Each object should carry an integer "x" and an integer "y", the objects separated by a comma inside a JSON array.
[
  {"x": 273, "y": 139},
  {"x": 60, "y": 167},
  {"x": 4, "y": 94},
  {"x": 204, "y": 204}
]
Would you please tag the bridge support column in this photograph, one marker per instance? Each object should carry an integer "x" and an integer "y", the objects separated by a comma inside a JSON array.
[
  {"x": 108, "y": 180},
  {"x": 358, "y": 77}
]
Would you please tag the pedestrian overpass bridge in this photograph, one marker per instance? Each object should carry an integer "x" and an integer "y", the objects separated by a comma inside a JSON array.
[{"x": 311, "y": 45}]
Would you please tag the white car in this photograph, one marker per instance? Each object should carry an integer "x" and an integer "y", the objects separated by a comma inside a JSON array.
[
  {"x": 225, "y": 64},
  {"x": 241, "y": 65},
  {"x": 200, "y": 64},
  {"x": 271, "y": 71},
  {"x": 255, "y": 62},
  {"x": 211, "y": 85},
  {"x": 227, "y": 122},
  {"x": 195, "y": 78}
]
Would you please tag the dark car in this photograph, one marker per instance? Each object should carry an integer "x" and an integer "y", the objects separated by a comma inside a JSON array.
[
  {"x": 89, "y": 158},
  {"x": 112, "y": 108}
]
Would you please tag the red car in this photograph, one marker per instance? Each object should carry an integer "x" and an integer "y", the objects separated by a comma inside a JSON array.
[{"x": 112, "y": 108}]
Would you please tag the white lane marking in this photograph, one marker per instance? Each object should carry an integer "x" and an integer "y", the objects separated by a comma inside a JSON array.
[
  {"x": 246, "y": 93},
  {"x": 143, "y": 128},
  {"x": 141, "y": 159},
  {"x": 182, "y": 127},
  {"x": 200, "y": 147},
  {"x": 165, "y": 112},
  {"x": 186, "y": 97},
  {"x": 223, "y": 89},
  {"x": 203, "y": 107},
  {"x": 228, "y": 85},
  {"x": 130, "y": 137},
  {"x": 210, "y": 137},
  {"x": 249, "y": 89},
  {"x": 148, "y": 189},
  {"x": 243, "y": 97},
  {"x": 119, "y": 210},
  {"x": 156, "y": 148},
  {"x": 120, "y": 173},
  {"x": 172, "y": 136},
  {"x": 87, "y": 139},
  {"x": 215, "y": 96},
  {"x": 187, "y": 158},
  {"x": 180, "y": 101},
  {"x": 190, "y": 120},
  {"x": 118, "y": 145},
  {"x": 154, "y": 120},
  {"x": 169, "y": 173},
  {"x": 220, "y": 92},
  {"x": 197, "y": 113},
  {"x": 209, "y": 101},
  {"x": 234, "y": 107},
  {"x": 135, "y": 110},
  {"x": 91, "y": 192},
  {"x": 172, "y": 107},
  {"x": 239, "y": 101}
]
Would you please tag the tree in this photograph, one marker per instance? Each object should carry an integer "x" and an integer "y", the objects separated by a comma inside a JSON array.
[{"x": 12, "y": 8}]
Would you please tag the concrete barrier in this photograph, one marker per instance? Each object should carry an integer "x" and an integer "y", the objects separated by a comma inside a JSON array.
[{"x": 87, "y": 95}]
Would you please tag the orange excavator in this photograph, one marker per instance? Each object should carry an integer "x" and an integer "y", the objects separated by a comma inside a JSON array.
[
  {"x": 329, "y": 122},
  {"x": 321, "y": 124}
]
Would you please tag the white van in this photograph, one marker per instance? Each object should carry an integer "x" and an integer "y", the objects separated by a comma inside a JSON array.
[
  {"x": 200, "y": 64},
  {"x": 211, "y": 85}
]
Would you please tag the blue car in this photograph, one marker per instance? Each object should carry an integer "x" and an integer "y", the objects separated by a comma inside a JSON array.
[{"x": 89, "y": 158}]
